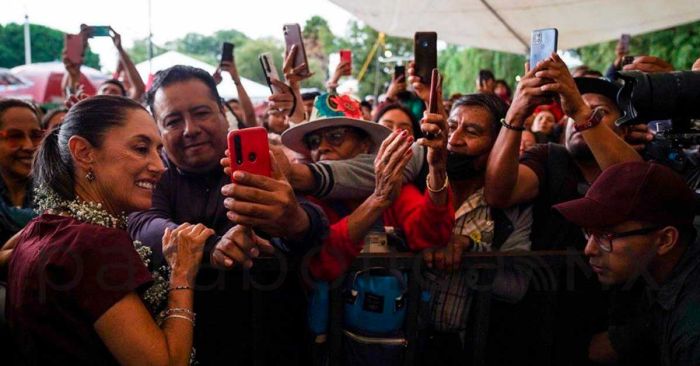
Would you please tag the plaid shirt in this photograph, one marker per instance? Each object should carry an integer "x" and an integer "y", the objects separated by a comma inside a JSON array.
[{"x": 450, "y": 300}]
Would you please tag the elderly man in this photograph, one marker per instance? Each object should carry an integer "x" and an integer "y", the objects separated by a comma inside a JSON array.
[
  {"x": 638, "y": 219},
  {"x": 187, "y": 108}
]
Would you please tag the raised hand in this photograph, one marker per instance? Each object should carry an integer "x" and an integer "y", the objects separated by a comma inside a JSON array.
[
  {"x": 392, "y": 158},
  {"x": 182, "y": 248},
  {"x": 239, "y": 246}
]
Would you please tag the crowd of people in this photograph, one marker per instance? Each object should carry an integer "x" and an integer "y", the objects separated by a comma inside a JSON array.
[{"x": 130, "y": 239}]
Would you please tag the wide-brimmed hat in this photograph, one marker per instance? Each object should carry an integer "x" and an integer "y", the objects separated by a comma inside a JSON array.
[{"x": 331, "y": 111}]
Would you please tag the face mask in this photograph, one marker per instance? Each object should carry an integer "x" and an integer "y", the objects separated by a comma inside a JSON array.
[{"x": 461, "y": 167}]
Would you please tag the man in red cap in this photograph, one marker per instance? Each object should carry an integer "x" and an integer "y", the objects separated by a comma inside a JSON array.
[{"x": 638, "y": 220}]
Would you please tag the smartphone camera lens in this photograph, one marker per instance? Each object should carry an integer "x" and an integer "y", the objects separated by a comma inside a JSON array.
[
  {"x": 252, "y": 157},
  {"x": 238, "y": 150},
  {"x": 424, "y": 44}
]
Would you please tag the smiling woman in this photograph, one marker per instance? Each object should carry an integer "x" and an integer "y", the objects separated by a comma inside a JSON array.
[{"x": 101, "y": 163}]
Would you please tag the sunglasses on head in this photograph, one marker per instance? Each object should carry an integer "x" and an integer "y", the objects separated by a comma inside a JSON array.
[
  {"x": 335, "y": 136},
  {"x": 15, "y": 137}
]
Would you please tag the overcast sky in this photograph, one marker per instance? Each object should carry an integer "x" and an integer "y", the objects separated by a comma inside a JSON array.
[{"x": 171, "y": 19}]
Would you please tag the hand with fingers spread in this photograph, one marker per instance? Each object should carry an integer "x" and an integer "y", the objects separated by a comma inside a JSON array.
[
  {"x": 648, "y": 64},
  {"x": 239, "y": 246},
  {"x": 182, "y": 249},
  {"x": 265, "y": 203},
  {"x": 563, "y": 84},
  {"x": 394, "y": 153}
]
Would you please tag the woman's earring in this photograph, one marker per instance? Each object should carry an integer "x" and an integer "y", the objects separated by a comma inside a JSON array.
[{"x": 90, "y": 176}]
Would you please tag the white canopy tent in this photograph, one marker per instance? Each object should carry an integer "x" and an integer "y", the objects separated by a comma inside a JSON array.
[
  {"x": 505, "y": 25},
  {"x": 227, "y": 89}
]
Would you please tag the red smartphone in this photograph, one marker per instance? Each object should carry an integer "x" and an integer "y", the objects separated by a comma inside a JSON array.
[
  {"x": 425, "y": 54},
  {"x": 293, "y": 37},
  {"x": 346, "y": 56},
  {"x": 249, "y": 151},
  {"x": 75, "y": 47},
  {"x": 434, "y": 83}
]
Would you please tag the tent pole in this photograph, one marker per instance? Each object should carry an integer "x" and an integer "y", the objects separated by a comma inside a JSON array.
[{"x": 505, "y": 24}]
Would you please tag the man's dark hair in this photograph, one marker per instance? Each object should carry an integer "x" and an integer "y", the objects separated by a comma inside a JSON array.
[
  {"x": 118, "y": 83},
  {"x": 90, "y": 119},
  {"x": 366, "y": 104},
  {"x": 8, "y": 103},
  {"x": 310, "y": 95},
  {"x": 177, "y": 74},
  {"x": 49, "y": 115},
  {"x": 485, "y": 75},
  {"x": 497, "y": 108}
]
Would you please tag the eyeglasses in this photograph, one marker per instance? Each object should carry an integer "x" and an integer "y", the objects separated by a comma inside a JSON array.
[
  {"x": 15, "y": 137},
  {"x": 604, "y": 240},
  {"x": 334, "y": 136}
]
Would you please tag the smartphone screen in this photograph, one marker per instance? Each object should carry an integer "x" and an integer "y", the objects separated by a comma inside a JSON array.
[
  {"x": 542, "y": 44},
  {"x": 293, "y": 37},
  {"x": 227, "y": 52},
  {"x": 99, "y": 31},
  {"x": 346, "y": 56},
  {"x": 249, "y": 151},
  {"x": 425, "y": 54}
]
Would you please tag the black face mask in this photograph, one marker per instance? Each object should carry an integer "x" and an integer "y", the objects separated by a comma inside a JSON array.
[{"x": 461, "y": 167}]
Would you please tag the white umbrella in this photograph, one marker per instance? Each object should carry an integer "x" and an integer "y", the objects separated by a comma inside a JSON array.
[{"x": 505, "y": 25}]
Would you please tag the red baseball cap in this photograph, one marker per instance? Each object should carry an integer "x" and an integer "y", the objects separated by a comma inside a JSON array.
[{"x": 637, "y": 191}]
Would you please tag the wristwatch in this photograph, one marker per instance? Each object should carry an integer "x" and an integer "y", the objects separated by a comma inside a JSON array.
[{"x": 592, "y": 121}]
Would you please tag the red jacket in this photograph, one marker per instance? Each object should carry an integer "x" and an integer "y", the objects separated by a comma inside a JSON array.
[{"x": 425, "y": 225}]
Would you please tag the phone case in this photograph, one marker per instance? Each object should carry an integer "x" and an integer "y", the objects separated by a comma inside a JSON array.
[
  {"x": 227, "y": 52},
  {"x": 292, "y": 36},
  {"x": 399, "y": 72},
  {"x": 542, "y": 43},
  {"x": 269, "y": 70},
  {"x": 625, "y": 42},
  {"x": 74, "y": 48},
  {"x": 249, "y": 151},
  {"x": 346, "y": 56},
  {"x": 425, "y": 54}
]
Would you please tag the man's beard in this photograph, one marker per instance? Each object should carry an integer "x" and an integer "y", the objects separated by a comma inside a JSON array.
[{"x": 461, "y": 167}]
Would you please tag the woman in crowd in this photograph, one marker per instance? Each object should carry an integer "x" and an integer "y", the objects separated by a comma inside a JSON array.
[
  {"x": 394, "y": 116},
  {"x": 426, "y": 219},
  {"x": 76, "y": 278}
]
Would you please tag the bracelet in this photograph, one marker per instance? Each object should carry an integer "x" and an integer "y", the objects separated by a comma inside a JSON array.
[
  {"x": 511, "y": 127},
  {"x": 179, "y": 317},
  {"x": 180, "y": 288},
  {"x": 180, "y": 310},
  {"x": 427, "y": 184}
]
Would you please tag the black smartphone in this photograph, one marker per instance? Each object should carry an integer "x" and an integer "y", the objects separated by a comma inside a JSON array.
[
  {"x": 293, "y": 37},
  {"x": 543, "y": 43},
  {"x": 425, "y": 54},
  {"x": 625, "y": 43},
  {"x": 400, "y": 72},
  {"x": 227, "y": 52}
]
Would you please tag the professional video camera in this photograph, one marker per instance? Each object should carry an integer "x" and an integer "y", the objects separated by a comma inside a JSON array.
[{"x": 675, "y": 98}]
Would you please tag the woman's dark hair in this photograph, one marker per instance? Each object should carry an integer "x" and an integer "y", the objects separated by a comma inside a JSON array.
[
  {"x": 91, "y": 119},
  {"x": 508, "y": 90},
  {"x": 496, "y": 107},
  {"x": 8, "y": 103},
  {"x": 384, "y": 109},
  {"x": 118, "y": 83},
  {"x": 49, "y": 115},
  {"x": 180, "y": 73}
]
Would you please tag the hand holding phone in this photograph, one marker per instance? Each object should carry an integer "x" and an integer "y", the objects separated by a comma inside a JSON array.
[
  {"x": 434, "y": 97},
  {"x": 400, "y": 73},
  {"x": 249, "y": 151},
  {"x": 270, "y": 71}
]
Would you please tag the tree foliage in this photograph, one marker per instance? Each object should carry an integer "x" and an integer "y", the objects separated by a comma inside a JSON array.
[
  {"x": 679, "y": 45},
  {"x": 47, "y": 45}
]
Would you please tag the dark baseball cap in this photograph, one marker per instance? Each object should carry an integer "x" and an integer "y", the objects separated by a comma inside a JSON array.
[
  {"x": 635, "y": 191},
  {"x": 596, "y": 85}
]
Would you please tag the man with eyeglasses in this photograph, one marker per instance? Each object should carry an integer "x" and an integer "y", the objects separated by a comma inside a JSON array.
[
  {"x": 20, "y": 135},
  {"x": 638, "y": 220}
]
